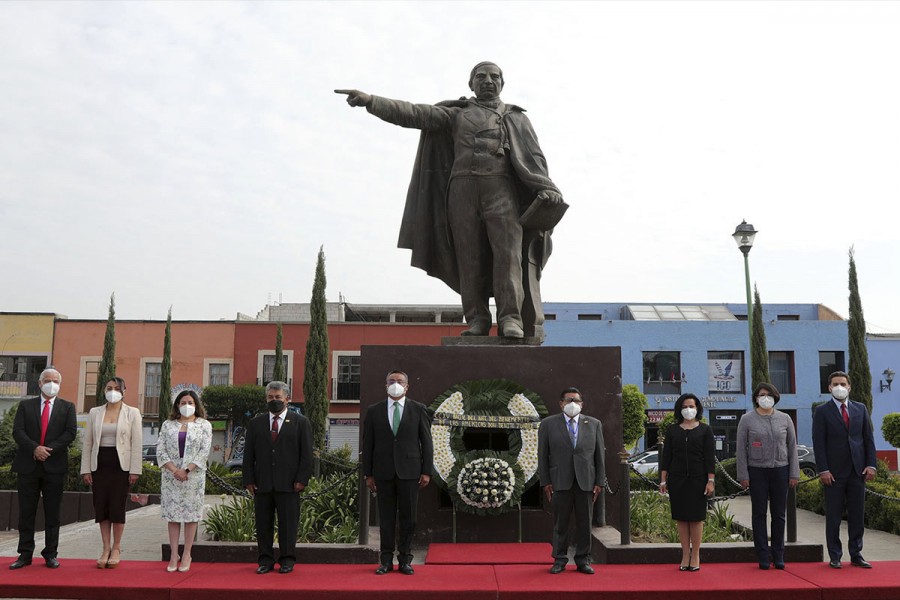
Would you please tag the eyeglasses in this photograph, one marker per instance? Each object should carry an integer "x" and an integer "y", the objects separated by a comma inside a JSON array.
[{"x": 571, "y": 400}]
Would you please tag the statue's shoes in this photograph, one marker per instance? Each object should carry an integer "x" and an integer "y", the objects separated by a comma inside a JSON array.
[{"x": 511, "y": 329}]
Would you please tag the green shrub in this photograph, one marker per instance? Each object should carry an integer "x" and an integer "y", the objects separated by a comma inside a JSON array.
[
  {"x": 340, "y": 461},
  {"x": 724, "y": 487},
  {"x": 149, "y": 480},
  {"x": 232, "y": 521},
  {"x": 651, "y": 521},
  {"x": 8, "y": 445},
  {"x": 234, "y": 480},
  {"x": 811, "y": 497},
  {"x": 890, "y": 429},
  {"x": 8, "y": 479},
  {"x": 634, "y": 414}
]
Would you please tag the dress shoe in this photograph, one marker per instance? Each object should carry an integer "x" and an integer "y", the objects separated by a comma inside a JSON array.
[
  {"x": 51, "y": 563},
  {"x": 586, "y": 569},
  {"x": 104, "y": 558},
  {"x": 384, "y": 569},
  {"x": 477, "y": 329},
  {"x": 285, "y": 568},
  {"x": 20, "y": 562},
  {"x": 406, "y": 569},
  {"x": 114, "y": 557},
  {"x": 693, "y": 569},
  {"x": 859, "y": 561},
  {"x": 683, "y": 568},
  {"x": 557, "y": 568},
  {"x": 779, "y": 566},
  {"x": 835, "y": 564},
  {"x": 511, "y": 329},
  {"x": 173, "y": 564},
  {"x": 764, "y": 566},
  {"x": 185, "y": 565},
  {"x": 263, "y": 569}
]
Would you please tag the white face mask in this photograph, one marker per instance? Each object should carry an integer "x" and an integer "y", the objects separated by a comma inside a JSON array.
[
  {"x": 113, "y": 396},
  {"x": 187, "y": 410},
  {"x": 395, "y": 390},
  {"x": 689, "y": 413},
  {"x": 50, "y": 389},
  {"x": 572, "y": 409},
  {"x": 840, "y": 393},
  {"x": 766, "y": 402}
]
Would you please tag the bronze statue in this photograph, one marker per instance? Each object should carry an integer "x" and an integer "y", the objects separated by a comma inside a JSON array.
[{"x": 480, "y": 206}]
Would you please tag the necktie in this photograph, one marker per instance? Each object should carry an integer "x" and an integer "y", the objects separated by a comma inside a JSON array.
[
  {"x": 395, "y": 425},
  {"x": 846, "y": 416},
  {"x": 572, "y": 431},
  {"x": 45, "y": 418},
  {"x": 274, "y": 429}
]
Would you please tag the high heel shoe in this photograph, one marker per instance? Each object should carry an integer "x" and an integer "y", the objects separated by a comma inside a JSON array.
[
  {"x": 173, "y": 567},
  {"x": 112, "y": 564},
  {"x": 103, "y": 561},
  {"x": 185, "y": 565}
]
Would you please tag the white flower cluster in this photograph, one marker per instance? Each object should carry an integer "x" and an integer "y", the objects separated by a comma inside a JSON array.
[
  {"x": 486, "y": 483},
  {"x": 520, "y": 406},
  {"x": 440, "y": 434}
]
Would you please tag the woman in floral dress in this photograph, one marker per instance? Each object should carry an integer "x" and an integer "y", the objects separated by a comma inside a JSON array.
[{"x": 181, "y": 452}]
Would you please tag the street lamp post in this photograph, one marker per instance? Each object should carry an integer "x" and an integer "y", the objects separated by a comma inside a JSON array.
[{"x": 743, "y": 235}]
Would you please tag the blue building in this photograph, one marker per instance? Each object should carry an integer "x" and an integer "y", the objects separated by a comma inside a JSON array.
[{"x": 670, "y": 349}]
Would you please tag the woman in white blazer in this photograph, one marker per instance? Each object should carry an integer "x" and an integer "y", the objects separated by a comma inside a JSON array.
[
  {"x": 110, "y": 464},
  {"x": 181, "y": 451}
]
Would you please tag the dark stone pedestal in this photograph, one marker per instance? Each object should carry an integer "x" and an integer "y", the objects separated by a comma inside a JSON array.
[{"x": 545, "y": 371}]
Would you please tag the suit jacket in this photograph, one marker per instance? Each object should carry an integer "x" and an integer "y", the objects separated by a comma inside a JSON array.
[
  {"x": 406, "y": 456},
  {"x": 61, "y": 431},
  {"x": 277, "y": 466},
  {"x": 129, "y": 439},
  {"x": 839, "y": 450},
  {"x": 562, "y": 465}
]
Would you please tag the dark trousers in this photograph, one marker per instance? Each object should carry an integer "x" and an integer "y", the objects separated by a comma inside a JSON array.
[
  {"x": 852, "y": 491},
  {"x": 487, "y": 238},
  {"x": 564, "y": 503},
  {"x": 768, "y": 489},
  {"x": 31, "y": 487},
  {"x": 287, "y": 506},
  {"x": 393, "y": 496}
]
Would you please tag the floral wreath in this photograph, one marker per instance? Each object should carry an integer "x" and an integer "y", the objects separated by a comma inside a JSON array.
[{"x": 486, "y": 482}]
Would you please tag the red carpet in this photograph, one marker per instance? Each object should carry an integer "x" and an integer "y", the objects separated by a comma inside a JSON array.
[
  {"x": 489, "y": 554},
  {"x": 230, "y": 581}
]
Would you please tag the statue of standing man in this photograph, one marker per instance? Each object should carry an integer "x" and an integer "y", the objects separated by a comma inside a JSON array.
[{"x": 481, "y": 205}]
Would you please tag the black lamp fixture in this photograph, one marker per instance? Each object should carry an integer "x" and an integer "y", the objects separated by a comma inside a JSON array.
[
  {"x": 743, "y": 235},
  {"x": 889, "y": 378}
]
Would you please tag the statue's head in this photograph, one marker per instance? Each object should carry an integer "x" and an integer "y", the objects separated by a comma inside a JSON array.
[{"x": 486, "y": 80}]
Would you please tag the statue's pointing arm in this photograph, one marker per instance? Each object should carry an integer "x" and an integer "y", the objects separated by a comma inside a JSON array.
[{"x": 399, "y": 112}]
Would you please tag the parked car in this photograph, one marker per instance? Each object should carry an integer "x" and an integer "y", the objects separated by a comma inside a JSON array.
[
  {"x": 807, "y": 461},
  {"x": 148, "y": 454},
  {"x": 645, "y": 462},
  {"x": 235, "y": 465}
]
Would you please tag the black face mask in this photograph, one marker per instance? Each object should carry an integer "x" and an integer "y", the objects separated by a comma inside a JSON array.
[{"x": 275, "y": 406}]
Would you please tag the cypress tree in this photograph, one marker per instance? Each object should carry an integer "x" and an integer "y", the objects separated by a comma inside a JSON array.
[
  {"x": 759, "y": 355},
  {"x": 107, "y": 368},
  {"x": 278, "y": 371},
  {"x": 165, "y": 378},
  {"x": 315, "y": 376},
  {"x": 858, "y": 365}
]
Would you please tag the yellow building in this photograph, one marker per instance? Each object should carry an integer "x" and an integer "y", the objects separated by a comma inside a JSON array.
[{"x": 26, "y": 349}]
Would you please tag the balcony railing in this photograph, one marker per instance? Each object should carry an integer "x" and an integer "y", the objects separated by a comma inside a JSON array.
[{"x": 19, "y": 386}]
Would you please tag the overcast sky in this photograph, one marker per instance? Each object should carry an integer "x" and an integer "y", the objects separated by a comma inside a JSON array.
[{"x": 195, "y": 155}]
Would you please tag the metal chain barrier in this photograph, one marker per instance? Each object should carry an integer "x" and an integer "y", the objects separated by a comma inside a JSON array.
[{"x": 882, "y": 496}]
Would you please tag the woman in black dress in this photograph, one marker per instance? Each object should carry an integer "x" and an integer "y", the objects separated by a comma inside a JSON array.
[{"x": 687, "y": 473}]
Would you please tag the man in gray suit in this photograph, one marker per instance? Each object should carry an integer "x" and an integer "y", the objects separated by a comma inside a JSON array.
[{"x": 572, "y": 472}]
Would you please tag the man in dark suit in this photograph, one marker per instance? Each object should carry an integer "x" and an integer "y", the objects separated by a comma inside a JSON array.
[
  {"x": 572, "y": 472},
  {"x": 397, "y": 459},
  {"x": 277, "y": 466},
  {"x": 845, "y": 458},
  {"x": 43, "y": 429}
]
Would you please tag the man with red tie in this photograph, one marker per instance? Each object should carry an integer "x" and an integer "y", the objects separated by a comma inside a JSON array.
[
  {"x": 845, "y": 458},
  {"x": 277, "y": 466},
  {"x": 43, "y": 429}
]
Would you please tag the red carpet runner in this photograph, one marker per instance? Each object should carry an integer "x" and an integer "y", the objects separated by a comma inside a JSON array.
[
  {"x": 489, "y": 554},
  {"x": 229, "y": 581}
]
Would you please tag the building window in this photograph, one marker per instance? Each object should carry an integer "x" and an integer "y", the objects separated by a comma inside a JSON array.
[
  {"x": 152, "y": 381},
  {"x": 269, "y": 368},
  {"x": 662, "y": 372},
  {"x": 788, "y": 317},
  {"x": 265, "y": 366},
  {"x": 550, "y": 317},
  {"x": 725, "y": 372},
  {"x": 781, "y": 371},
  {"x": 91, "y": 371},
  {"x": 347, "y": 380},
  {"x": 220, "y": 373},
  {"x": 20, "y": 375},
  {"x": 589, "y": 317},
  {"x": 829, "y": 362}
]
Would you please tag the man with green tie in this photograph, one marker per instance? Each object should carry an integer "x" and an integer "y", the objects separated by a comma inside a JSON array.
[{"x": 397, "y": 457}]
